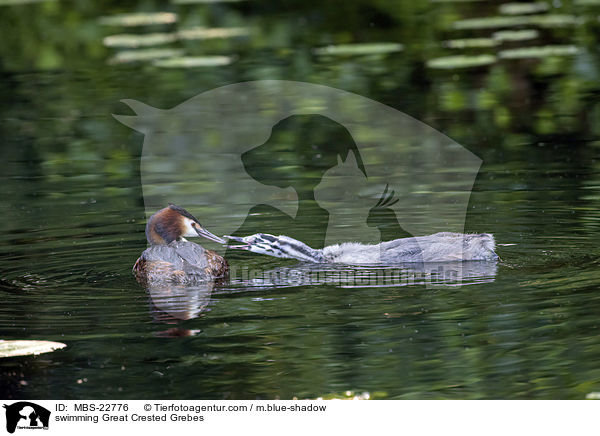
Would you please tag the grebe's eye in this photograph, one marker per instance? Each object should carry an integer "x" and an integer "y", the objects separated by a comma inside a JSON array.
[{"x": 193, "y": 224}]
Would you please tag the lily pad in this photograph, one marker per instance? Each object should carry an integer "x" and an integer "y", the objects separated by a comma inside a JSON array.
[
  {"x": 360, "y": 49},
  {"x": 523, "y": 8},
  {"x": 139, "y": 40},
  {"x": 193, "y": 61},
  {"x": 20, "y": 2},
  {"x": 211, "y": 33},
  {"x": 515, "y": 35},
  {"x": 556, "y": 20},
  {"x": 543, "y": 20},
  {"x": 138, "y": 19},
  {"x": 127, "y": 56},
  {"x": 128, "y": 40},
  {"x": 185, "y": 2},
  {"x": 352, "y": 395},
  {"x": 538, "y": 52},
  {"x": 470, "y": 43},
  {"x": 461, "y": 61},
  {"x": 26, "y": 348}
]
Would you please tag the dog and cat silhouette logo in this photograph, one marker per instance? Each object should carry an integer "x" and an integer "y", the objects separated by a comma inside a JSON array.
[
  {"x": 26, "y": 415},
  {"x": 295, "y": 156}
]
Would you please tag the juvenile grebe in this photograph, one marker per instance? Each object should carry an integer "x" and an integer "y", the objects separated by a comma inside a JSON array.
[
  {"x": 171, "y": 258},
  {"x": 439, "y": 247}
]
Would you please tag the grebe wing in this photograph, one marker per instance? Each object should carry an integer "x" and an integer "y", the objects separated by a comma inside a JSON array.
[
  {"x": 199, "y": 262},
  {"x": 181, "y": 254},
  {"x": 193, "y": 256},
  {"x": 162, "y": 253}
]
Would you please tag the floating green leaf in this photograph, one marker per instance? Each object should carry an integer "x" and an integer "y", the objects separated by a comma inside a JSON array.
[
  {"x": 211, "y": 33},
  {"x": 347, "y": 395},
  {"x": 126, "y": 56},
  {"x": 141, "y": 40},
  {"x": 20, "y": 2},
  {"x": 359, "y": 49},
  {"x": 523, "y": 8},
  {"x": 128, "y": 40},
  {"x": 515, "y": 35},
  {"x": 185, "y": 2},
  {"x": 538, "y": 52},
  {"x": 138, "y": 19},
  {"x": 455, "y": 1},
  {"x": 586, "y": 2},
  {"x": 556, "y": 20},
  {"x": 489, "y": 22},
  {"x": 470, "y": 43},
  {"x": 462, "y": 61},
  {"x": 545, "y": 20},
  {"x": 194, "y": 61},
  {"x": 26, "y": 348}
]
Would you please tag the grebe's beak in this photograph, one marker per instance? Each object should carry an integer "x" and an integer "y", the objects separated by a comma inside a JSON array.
[{"x": 208, "y": 235}]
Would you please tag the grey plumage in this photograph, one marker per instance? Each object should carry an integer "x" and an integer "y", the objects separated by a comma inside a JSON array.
[
  {"x": 439, "y": 247},
  {"x": 185, "y": 256}
]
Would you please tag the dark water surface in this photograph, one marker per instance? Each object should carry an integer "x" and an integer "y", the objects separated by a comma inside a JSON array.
[{"x": 73, "y": 212}]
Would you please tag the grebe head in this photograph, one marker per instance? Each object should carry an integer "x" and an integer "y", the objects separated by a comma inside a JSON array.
[{"x": 173, "y": 223}]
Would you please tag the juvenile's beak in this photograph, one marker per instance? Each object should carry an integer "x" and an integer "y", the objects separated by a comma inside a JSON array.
[
  {"x": 208, "y": 235},
  {"x": 246, "y": 246}
]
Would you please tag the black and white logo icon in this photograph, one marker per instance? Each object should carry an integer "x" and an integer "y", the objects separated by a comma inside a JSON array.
[{"x": 26, "y": 415}]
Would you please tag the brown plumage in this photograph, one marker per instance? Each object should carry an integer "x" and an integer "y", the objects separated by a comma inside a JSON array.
[{"x": 172, "y": 259}]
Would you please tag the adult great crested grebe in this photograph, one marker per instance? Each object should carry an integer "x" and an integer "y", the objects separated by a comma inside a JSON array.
[
  {"x": 439, "y": 247},
  {"x": 170, "y": 257}
]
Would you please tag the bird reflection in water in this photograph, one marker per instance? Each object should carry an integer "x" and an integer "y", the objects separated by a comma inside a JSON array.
[{"x": 173, "y": 303}]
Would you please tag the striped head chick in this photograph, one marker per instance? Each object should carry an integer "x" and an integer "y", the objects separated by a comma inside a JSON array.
[{"x": 276, "y": 246}]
